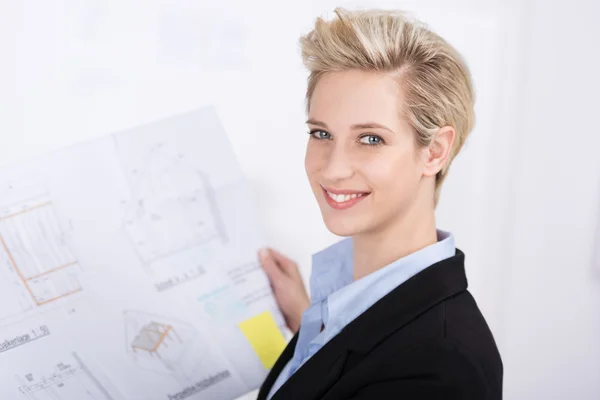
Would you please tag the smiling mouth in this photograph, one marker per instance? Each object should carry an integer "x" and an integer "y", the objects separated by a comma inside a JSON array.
[{"x": 343, "y": 199}]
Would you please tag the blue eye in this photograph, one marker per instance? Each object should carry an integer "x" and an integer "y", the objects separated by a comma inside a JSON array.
[
  {"x": 372, "y": 140},
  {"x": 319, "y": 134}
]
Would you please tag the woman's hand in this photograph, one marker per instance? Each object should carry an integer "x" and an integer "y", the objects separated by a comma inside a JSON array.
[{"x": 287, "y": 286}]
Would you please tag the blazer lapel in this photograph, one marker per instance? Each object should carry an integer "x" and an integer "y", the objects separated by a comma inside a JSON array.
[
  {"x": 281, "y": 362},
  {"x": 317, "y": 375}
]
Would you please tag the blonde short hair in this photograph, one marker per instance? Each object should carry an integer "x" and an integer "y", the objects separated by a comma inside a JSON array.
[{"x": 433, "y": 75}]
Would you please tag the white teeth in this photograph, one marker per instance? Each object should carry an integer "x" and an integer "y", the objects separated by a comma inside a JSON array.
[{"x": 340, "y": 198}]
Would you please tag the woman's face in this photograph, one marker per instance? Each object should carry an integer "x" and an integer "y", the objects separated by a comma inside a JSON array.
[{"x": 362, "y": 159}]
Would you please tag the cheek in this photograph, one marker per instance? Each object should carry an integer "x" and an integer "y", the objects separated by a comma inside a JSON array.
[
  {"x": 393, "y": 171},
  {"x": 313, "y": 159}
]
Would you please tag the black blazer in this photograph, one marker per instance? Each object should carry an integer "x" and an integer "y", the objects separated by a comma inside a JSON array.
[{"x": 426, "y": 339}]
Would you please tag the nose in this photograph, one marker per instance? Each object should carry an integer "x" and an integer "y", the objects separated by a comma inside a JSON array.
[{"x": 338, "y": 165}]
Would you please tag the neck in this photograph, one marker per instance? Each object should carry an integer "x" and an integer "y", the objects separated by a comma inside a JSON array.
[{"x": 375, "y": 250}]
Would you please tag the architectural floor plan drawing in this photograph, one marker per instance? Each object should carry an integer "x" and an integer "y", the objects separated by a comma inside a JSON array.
[
  {"x": 138, "y": 251},
  {"x": 37, "y": 264},
  {"x": 69, "y": 379},
  {"x": 173, "y": 213}
]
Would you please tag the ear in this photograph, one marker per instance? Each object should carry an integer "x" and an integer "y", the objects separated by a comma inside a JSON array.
[{"x": 437, "y": 153}]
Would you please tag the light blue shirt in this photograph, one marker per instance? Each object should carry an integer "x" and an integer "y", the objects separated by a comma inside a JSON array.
[{"x": 336, "y": 299}]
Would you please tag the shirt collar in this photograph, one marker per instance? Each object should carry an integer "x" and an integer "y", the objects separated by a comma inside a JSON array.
[{"x": 332, "y": 267}]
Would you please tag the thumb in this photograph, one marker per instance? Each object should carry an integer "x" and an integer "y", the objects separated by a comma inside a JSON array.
[{"x": 270, "y": 266}]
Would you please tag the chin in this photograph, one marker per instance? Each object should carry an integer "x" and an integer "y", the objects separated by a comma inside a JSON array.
[{"x": 343, "y": 226}]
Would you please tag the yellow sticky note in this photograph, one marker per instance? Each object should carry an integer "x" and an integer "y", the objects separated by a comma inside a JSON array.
[{"x": 264, "y": 337}]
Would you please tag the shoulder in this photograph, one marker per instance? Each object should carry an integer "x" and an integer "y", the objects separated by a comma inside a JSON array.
[
  {"x": 450, "y": 341},
  {"x": 466, "y": 329}
]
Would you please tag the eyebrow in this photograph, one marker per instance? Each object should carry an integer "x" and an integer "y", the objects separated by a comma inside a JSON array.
[{"x": 366, "y": 125}]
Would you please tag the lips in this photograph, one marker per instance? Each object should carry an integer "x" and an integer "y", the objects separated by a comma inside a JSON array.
[{"x": 343, "y": 199}]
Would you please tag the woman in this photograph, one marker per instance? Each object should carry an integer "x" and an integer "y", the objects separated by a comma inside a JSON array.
[{"x": 389, "y": 105}]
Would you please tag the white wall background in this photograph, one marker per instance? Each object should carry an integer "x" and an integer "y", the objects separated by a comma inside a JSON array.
[{"x": 522, "y": 199}]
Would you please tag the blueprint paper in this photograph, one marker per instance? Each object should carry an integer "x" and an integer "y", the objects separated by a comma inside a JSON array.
[{"x": 128, "y": 269}]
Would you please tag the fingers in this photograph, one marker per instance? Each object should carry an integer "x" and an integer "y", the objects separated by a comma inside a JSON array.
[
  {"x": 270, "y": 266},
  {"x": 289, "y": 267}
]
